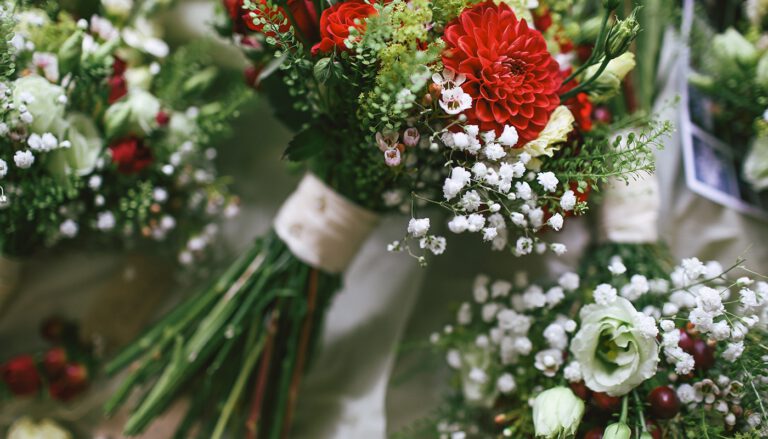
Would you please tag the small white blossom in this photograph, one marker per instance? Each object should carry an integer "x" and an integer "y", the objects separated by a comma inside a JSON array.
[
  {"x": 489, "y": 233},
  {"x": 523, "y": 190},
  {"x": 458, "y": 224},
  {"x": 509, "y": 136},
  {"x": 733, "y": 351},
  {"x": 506, "y": 383},
  {"x": 569, "y": 281},
  {"x": 693, "y": 268},
  {"x": 3, "y": 168},
  {"x": 547, "y": 180},
  {"x": 105, "y": 221},
  {"x": 686, "y": 394},
  {"x": 418, "y": 227},
  {"x": 549, "y": 361},
  {"x": 470, "y": 201},
  {"x": 556, "y": 336},
  {"x": 455, "y": 100},
  {"x": 494, "y": 151},
  {"x": 68, "y": 228},
  {"x": 476, "y": 222},
  {"x": 479, "y": 169},
  {"x": 667, "y": 325},
  {"x": 558, "y": 249},
  {"x": 709, "y": 300},
  {"x": 23, "y": 159},
  {"x": 568, "y": 200},
  {"x": 555, "y": 221},
  {"x": 453, "y": 358},
  {"x": 554, "y": 296},
  {"x": 616, "y": 266},
  {"x": 604, "y": 294},
  {"x": 523, "y": 246},
  {"x": 572, "y": 372},
  {"x": 646, "y": 325},
  {"x": 464, "y": 316},
  {"x": 720, "y": 331}
]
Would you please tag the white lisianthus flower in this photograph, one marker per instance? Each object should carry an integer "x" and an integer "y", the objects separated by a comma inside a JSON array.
[
  {"x": 614, "y": 355},
  {"x": 86, "y": 146},
  {"x": 557, "y": 412},
  {"x": 41, "y": 100},
  {"x": 136, "y": 113},
  {"x": 25, "y": 428},
  {"x": 555, "y": 133},
  {"x": 732, "y": 47}
]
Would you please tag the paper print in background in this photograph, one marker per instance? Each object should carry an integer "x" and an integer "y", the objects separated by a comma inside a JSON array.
[
  {"x": 711, "y": 168},
  {"x": 712, "y": 171}
]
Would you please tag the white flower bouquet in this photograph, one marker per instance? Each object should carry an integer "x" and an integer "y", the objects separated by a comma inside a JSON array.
[
  {"x": 625, "y": 351},
  {"x": 105, "y": 138}
]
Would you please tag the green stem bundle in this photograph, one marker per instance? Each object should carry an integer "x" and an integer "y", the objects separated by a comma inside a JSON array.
[{"x": 212, "y": 345}]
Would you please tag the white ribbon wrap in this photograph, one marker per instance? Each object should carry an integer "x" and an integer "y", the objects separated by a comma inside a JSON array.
[
  {"x": 630, "y": 211},
  {"x": 10, "y": 269},
  {"x": 322, "y": 228}
]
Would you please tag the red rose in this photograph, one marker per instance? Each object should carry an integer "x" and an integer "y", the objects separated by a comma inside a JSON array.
[
  {"x": 118, "y": 86},
  {"x": 20, "y": 375},
  {"x": 580, "y": 105},
  {"x": 511, "y": 77},
  {"x": 336, "y": 21},
  {"x": 303, "y": 12},
  {"x": 130, "y": 155}
]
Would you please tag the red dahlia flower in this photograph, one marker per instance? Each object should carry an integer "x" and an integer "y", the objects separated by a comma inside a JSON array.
[
  {"x": 512, "y": 78},
  {"x": 130, "y": 155},
  {"x": 336, "y": 21},
  {"x": 21, "y": 376},
  {"x": 303, "y": 12}
]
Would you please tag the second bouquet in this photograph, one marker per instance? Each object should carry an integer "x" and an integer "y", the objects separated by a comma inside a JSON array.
[{"x": 480, "y": 109}]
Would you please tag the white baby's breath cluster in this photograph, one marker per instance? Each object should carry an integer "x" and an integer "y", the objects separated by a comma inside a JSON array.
[{"x": 494, "y": 186}]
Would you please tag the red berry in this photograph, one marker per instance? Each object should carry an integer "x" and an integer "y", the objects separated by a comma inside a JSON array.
[
  {"x": 686, "y": 342},
  {"x": 55, "y": 361},
  {"x": 653, "y": 428},
  {"x": 581, "y": 390},
  {"x": 703, "y": 355},
  {"x": 54, "y": 329},
  {"x": 664, "y": 402},
  {"x": 595, "y": 433},
  {"x": 71, "y": 383},
  {"x": 20, "y": 375},
  {"x": 606, "y": 402},
  {"x": 162, "y": 118}
]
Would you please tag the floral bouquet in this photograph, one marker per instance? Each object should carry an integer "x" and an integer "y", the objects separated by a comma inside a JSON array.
[
  {"x": 642, "y": 354},
  {"x": 106, "y": 138},
  {"x": 482, "y": 109},
  {"x": 730, "y": 62}
]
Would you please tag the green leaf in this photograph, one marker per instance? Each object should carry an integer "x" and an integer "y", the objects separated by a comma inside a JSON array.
[{"x": 305, "y": 145}]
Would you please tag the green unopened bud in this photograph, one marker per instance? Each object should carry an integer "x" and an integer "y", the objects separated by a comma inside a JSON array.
[
  {"x": 621, "y": 36},
  {"x": 611, "y": 4},
  {"x": 70, "y": 52},
  {"x": 761, "y": 77},
  {"x": 618, "y": 430},
  {"x": 557, "y": 413}
]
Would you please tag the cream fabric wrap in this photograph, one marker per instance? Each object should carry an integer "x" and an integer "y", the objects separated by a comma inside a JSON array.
[
  {"x": 322, "y": 228},
  {"x": 10, "y": 269},
  {"x": 630, "y": 211}
]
